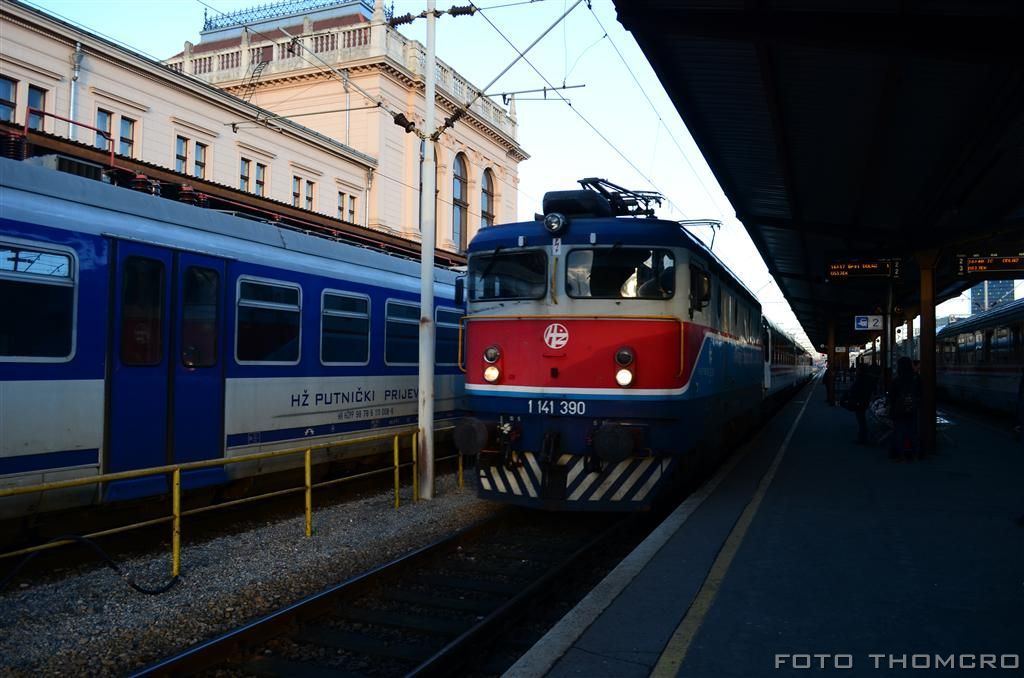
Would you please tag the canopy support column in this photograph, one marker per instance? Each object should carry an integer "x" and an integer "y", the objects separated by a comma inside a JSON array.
[{"x": 926, "y": 263}]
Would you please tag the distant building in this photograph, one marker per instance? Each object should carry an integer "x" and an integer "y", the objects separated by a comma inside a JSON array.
[
  {"x": 990, "y": 294},
  {"x": 327, "y": 64},
  {"x": 947, "y": 320},
  {"x": 216, "y": 117}
]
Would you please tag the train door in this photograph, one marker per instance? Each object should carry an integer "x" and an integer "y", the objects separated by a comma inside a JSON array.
[
  {"x": 197, "y": 374},
  {"x": 166, "y": 385},
  {"x": 137, "y": 413}
]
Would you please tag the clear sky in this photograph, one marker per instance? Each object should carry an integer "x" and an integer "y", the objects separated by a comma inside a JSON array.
[{"x": 621, "y": 125}]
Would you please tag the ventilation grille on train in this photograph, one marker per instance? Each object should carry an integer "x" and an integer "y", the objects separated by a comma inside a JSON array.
[{"x": 63, "y": 163}]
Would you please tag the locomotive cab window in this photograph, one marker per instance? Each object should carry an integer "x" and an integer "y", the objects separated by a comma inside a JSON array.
[
  {"x": 508, "y": 275},
  {"x": 37, "y": 304},
  {"x": 620, "y": 273},
  {"x": 344, "y": 329},
  {"x": 700, "y": 288},
  {"x": 268, "y": 325}
]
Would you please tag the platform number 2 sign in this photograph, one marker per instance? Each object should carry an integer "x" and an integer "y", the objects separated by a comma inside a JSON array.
[{"x": 867, "y": 322}]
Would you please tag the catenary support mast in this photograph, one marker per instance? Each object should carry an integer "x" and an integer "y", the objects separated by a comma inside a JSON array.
[{"x": 427, "y": 225}]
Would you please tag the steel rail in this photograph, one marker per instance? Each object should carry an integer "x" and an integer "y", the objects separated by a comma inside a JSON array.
[{"x": 314, "y": 611}]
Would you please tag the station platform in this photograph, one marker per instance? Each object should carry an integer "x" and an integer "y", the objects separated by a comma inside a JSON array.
[{"x": 807, "y": 553}]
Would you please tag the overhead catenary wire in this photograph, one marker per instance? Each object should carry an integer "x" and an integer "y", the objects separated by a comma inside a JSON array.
[
  {"x": 580, "y": 115},
  {"x": 521, "y": 54},
  {"x": 654, "y": 108}
]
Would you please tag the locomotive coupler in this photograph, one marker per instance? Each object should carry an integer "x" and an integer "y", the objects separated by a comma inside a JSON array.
[{"x": 508, "y": 433}]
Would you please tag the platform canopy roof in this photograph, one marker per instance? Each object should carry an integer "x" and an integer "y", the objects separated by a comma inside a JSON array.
[{"x": 852, "y": 129}]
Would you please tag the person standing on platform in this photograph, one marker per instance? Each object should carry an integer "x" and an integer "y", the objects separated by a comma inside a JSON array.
[
  {"x": 858, "y": 399},
  {"x": 904, "y": 399}
]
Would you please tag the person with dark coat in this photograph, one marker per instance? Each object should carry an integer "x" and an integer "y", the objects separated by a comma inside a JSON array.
[
  {"x": 858, "y": 399},
  {"x": 904, "y": 400}
]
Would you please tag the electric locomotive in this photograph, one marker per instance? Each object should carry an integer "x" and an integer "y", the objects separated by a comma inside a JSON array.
[{"x": 607, "y": 352}]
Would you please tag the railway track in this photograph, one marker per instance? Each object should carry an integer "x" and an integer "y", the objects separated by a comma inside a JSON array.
[{"x": 432, "y": 612}]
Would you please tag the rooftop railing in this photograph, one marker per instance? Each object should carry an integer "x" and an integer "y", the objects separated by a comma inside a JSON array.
[{"x": 336, "y": 47}]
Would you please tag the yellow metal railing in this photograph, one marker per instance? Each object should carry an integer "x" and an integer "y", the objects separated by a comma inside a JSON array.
[{"x": 176, "y": 469}]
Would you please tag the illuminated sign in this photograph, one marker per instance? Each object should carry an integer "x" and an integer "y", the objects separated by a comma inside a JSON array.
[
  {"x": 877, "y": 268},
  {"x": 990, "y": 264}
]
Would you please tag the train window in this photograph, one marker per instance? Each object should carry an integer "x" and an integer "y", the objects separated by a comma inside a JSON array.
[
  {"x": 142, "y": 312},
  {"x": 37, "y": 304},
  {"x": 446, "y": 345},
  {"x": 765, "y": 343},
  {"x": 620, "y": 273},
  {"x": 700, "y": 289},
  {"x": 1002, "y": 345},
  {"x": 344, "y": 329},
  {"x": 402, "y": 334},
  {"x": 268, "y": 327},
  {"x": 508, "y": 275},
  {"x": 200, "y": 313}
]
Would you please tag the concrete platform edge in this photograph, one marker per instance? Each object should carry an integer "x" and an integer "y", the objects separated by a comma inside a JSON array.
[{"x": 556, "y": 642}]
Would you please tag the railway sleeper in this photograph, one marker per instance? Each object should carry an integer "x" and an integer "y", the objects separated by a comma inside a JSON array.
[
  {"x": 474, "y": 605},
  {"x": 458, "y": 583},
  {"x": 415, "y": 622},
  {"x": 357, "y": 643},
  {"x": 276, "y": 666}
]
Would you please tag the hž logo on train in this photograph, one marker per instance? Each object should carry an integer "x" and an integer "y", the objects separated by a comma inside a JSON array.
[{"x": 556, "y": 336}]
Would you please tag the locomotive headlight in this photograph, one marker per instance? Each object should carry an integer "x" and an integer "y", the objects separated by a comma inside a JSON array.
[
  {"x": 555, "y": 223},
  {"x": 624, "y": 377},
  {"x": 491, "y": 373},
  {"x": 491, "y": 354},
  {"x": 624, "y": 357}
]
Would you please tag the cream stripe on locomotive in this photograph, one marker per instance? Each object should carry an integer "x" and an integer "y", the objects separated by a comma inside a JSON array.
[{"x": 641, "y": 475}]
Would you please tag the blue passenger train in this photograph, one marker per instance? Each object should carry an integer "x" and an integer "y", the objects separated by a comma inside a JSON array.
[
  {"x": 137, "y": 331},
  {"x": 609, "y": 353}
]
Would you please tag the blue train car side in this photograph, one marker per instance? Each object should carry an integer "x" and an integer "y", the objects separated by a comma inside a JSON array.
[{"x": 137, "y": 332}]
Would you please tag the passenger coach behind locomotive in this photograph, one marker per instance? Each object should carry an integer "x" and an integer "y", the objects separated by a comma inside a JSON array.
[{"x": 604, "y": 354}]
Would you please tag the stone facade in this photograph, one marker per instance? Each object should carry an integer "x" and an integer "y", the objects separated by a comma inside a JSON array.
[{"x": 328, "y": 66}]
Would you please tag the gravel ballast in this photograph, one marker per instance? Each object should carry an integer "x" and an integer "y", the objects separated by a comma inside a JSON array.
[{"x": 92, "y": 623}]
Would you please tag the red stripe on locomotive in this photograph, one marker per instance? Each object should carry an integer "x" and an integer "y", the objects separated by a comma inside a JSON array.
[{"x": 587, "y": 360}]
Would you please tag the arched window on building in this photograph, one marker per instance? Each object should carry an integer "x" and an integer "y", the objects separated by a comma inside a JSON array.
[
  {"x": 460, "y": 201},
  {"x": 487, "y": 200}
]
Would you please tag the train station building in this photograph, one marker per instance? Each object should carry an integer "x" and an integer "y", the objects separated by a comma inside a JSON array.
[{"x": 292, "y": 105}]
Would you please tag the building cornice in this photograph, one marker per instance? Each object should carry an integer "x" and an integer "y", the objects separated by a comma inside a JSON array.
[
  {"x": 124, "y": 101},
  {"x": 38, "y": 70},
  {"x": 386, "y": 67},
  {"x": 100, "y": 48}
]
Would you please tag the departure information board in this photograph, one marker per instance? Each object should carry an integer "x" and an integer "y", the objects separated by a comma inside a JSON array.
[
  {"x": 990, "y": 264},
  {"x": 873, "y": 268}
]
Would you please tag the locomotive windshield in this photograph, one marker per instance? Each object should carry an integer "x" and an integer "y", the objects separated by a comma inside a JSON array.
[
  {"x": 620, "y": 273},
  {"x": 508, "y": 275}
]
